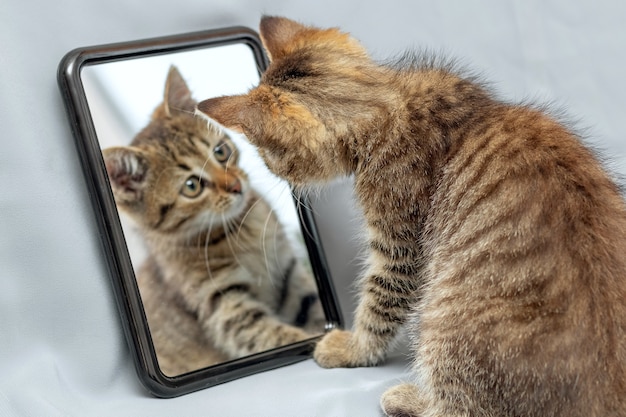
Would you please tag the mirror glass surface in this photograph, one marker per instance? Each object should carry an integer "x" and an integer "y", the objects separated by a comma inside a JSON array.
[{"x": 244, "y": 282}]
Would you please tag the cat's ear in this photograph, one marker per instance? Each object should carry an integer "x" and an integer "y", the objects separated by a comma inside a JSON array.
[
  {"x": 231, "y": 112},
  {"x": 127, "y": 168},
  {"x": 281, "y": 36},
  {"x": 176, "y": 97},
  {"x": 277, "y": 33}
]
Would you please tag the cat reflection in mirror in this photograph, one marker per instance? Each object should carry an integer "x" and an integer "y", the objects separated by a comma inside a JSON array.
[
  {"x": 220, "y": 280},
  {"x": 494, "y": 234}
]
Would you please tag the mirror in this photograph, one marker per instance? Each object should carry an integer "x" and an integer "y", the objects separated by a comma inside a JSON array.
[{"x": 217, "y": 268}]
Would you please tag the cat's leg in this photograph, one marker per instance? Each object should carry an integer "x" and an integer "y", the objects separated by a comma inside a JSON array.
[
  {"x": 403, "y": 400},
  {"x": 387, "y": 294},
  {"x": 240, "y": 325}
]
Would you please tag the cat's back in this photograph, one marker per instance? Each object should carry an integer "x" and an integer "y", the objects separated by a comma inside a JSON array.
[
  {"x": 527, "y": 236},
  {"x": 521, "y": 177}
]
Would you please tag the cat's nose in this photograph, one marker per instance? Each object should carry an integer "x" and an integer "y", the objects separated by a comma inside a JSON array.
[{"x": 234, "y": 186}]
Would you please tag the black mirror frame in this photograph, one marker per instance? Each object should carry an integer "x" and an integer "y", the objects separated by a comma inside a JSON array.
[{"x": 122, "y": 274}]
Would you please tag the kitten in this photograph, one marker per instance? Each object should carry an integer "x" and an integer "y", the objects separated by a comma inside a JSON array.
[
  {"x": 220, "y": 280},
  {"x": 494, "y": 234}
]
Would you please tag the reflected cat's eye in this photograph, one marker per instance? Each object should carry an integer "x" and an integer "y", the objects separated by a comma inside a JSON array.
[
  {"x": 222, "y": 151},
  {"x": 192, "y": 187}
]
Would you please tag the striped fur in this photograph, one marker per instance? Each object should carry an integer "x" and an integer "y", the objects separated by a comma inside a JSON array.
[
  {"x": 221, "y": 280},
  {"x": 495, "y": 235}
]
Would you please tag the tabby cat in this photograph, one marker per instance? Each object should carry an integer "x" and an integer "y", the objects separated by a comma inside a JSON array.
[
  {"x": 494, "y": 234},
  {"x": 220, "y": 280}
]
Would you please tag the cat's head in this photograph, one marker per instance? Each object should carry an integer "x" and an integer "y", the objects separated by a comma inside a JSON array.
[
  {"x": 311, "y": 105},
  {"x": 177, "y": 175}
]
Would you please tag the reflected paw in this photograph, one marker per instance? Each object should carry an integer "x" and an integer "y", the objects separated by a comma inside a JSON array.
[
  {"x": 402, "y": 401},
  {"x": 293, "y": 335}
]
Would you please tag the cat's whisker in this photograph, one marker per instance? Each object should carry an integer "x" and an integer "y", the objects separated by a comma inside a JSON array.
[
  {"x": 183, "y": 110},
  {"x": 230, "y": 225},
  {"x": 229, "y": 161},
  {"x": 212, "y": 124},
  {"x": 263, "y": 242},
  {"x": 301, "y": 205},
  {"x": 205, "y": 247},
  {"x": 204, "y": 165},
  {"x": 283, "y": 188},
  {"x": 275, "y": 235},
  {"x": 234, "y": 228},
  {"x": 207, "y": 263},
  {"x": 250, "y": 209},
  {"x": 227, "y": 224}
]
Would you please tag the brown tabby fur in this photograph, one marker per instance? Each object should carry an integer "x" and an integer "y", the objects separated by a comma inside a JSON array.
[
  {"x": 221, "y": 280},
  {"x": 494, "y": 234}
]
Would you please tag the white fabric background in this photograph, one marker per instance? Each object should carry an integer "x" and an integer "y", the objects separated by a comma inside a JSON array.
[{"x": 62, "y": 351}]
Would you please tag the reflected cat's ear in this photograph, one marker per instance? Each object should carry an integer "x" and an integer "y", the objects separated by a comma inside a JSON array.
[
  {"x": 127, "y": 168},
  {"x": 176, "y": 97},
  {"x": 230, "y": 112},
  {"x": 277, "y": 33}
]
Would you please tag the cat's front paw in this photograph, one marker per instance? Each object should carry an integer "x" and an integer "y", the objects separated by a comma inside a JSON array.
[
  {"x": 333, "y": 350},
  {"x": 402, "y": 401},
  {"x": 338, "y": 349}
]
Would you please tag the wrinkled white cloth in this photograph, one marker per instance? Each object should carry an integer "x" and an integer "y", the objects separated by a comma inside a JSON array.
[{"x": 62, "y": 351}]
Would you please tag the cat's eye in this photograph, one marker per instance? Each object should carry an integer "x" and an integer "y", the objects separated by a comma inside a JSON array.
[
  {"x": 192, "y": 187},
  {"x": 110, "y": 91},
  {"x": 222, "y": 151}
]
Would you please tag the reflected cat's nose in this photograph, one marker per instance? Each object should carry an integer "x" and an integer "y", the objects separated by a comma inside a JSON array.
[{"x": 233, "y": 186}]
